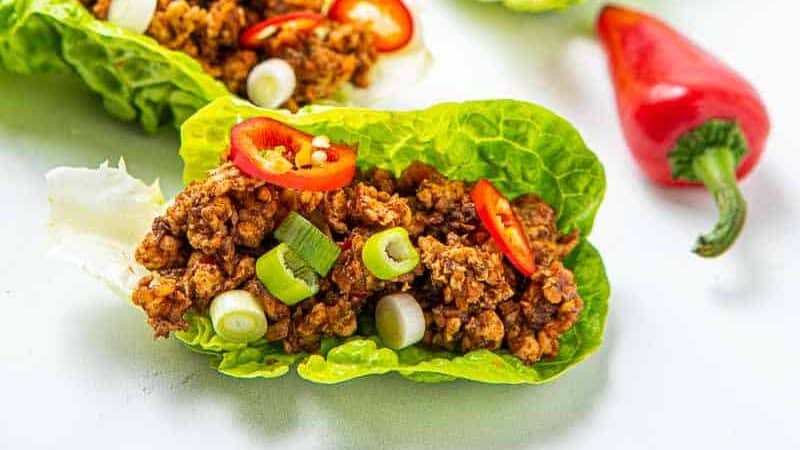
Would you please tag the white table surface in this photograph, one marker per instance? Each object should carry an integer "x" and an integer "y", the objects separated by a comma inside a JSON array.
[{"x": 698, "y": 354}]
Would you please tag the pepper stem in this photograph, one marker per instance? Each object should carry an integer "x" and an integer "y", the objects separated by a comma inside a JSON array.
[{"x": 716, "y": 168}]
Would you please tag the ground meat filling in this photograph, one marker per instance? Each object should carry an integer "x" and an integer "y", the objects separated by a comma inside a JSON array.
[
  {"x": 209, "y": 31},
  {"x": 208, "y": 240}
]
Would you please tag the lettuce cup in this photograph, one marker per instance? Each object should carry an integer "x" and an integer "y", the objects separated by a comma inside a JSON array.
[
  {"x": 441, "y": 244},
  {"x": 159, "y": 61}
]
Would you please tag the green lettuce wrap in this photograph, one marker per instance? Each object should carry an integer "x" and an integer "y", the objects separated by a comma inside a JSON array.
[
  {"x": 136, "y": 77},
  {"x": 534, "y": 5},
  {"x": 99, "y": 216}
]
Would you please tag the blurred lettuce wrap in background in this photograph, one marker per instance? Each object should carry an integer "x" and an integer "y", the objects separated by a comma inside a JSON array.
[
  {"x": 137, "y": 78},
  {"x": 534, "y": 5},
  {"x": 100, "y": 215}
]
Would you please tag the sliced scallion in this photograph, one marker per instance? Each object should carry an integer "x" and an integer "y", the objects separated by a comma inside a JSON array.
[
  {"x": 271, "y": 83},
  {"x": 399, "y": 320},
  {"x": 389, "y": 254},
  {"x": 135, "y": 15},
  {"x": 316, "y": 249},
  {"x": 286, "y": 275},
  {"x": 237, "y": 316}
]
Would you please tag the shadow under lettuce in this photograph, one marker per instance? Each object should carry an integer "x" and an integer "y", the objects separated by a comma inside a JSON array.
[
  {"x": 391, "y": 412},
  {"x": 374, "y": 412},
  {"x": 53, "y": 120}
]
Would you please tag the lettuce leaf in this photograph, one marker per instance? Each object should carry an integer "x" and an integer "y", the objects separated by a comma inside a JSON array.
[
  {"x": 98, "y": 217},
  {"x": 534, "y": 5},
  {"x": 138, "y": 79},
  {"x": 519, "y": 146},
  {"x": 259, "y": 359}
]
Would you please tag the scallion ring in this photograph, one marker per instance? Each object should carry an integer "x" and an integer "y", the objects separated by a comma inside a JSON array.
[
  {"x": 271, "y": 83},
  {"x": 237, "y": 316},
  {"x": 135, "y": 15},
  {"x": 286, "y": 275},
  {"x": 399, "y": 320},
  {"x": 316, "y": 249},
  {"x": 389, "y": 254}
]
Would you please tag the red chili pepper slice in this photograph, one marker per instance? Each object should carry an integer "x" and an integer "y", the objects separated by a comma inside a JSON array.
[
  {"x": 390, "y": 20},
  {"x": 504, "y": 226},
  {"x": 687, "y": 117},
  {"x": 269, "y": 150},
  {"x": 254, "y": 35}
]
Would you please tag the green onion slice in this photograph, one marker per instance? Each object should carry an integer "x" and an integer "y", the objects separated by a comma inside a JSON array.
[
  {"x": 316, "y": 249},
  {"x": 399, "y": 320},
  {"x": 238, "y": 317},
  {"x": 389, "y": 254},
  {"x": 286, "y": 275}
]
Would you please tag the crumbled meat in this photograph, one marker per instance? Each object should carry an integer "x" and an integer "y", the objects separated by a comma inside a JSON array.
[
  {"x": 539, "y": 221},
  {"x": 413, "y": 176},
  {"x": 278, "y": 314},
  {"x": 442, "y": 195},
  {"x": 207, "y": 277},
  {"x": 286, "y": 6},
  {"x": 226, "y": 20},
  {"x": 255, "y": 217},
  {"x": 325, "y": 60},
  {"x": 469, "y": 276},
  {"x": 178, "y": 25},
  {"x": 163, "y": 297},
  {"x": 444, "y": 206},
  {"x": 369, "y": 206},
  {"x": 341, "y": 319},
  {"x": 546, "y": 309},
  {"x": 334, "y": 208},
  {"x": 98, "y": 7},
  {"x": 235, "y": 69},
  {"x": 313, "y": 320},
  {"x": 556, "y": 285},
  {"x": 442, "y": 327},
  {"x": 302, "y": 201},
  {"x": 484, "y": 330},
  {"x": 382, "y": 179},
  {"x": 160, "y": 250},
  {"x": 209, "y": 225},
  {"x": 472, "y": 298},
  {"x": 209, "y": 31}
]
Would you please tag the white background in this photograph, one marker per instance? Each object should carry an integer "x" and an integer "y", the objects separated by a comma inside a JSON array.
[{"x": 698, "y": 354}]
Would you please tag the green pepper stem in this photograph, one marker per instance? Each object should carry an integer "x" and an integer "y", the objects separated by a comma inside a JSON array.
[{"x": 716, "y": 168}]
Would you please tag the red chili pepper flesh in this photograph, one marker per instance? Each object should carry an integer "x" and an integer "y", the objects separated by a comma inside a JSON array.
[
  {"x": 390, "y": 20},
  {"x": 687, "y": 117},
  {"x": 504, "y": 226},
  {"x": 253, "y": 36},
  {"x": 279, "y": 154}
]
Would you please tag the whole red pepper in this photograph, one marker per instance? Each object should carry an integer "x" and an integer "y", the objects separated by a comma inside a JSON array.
[{"x": 687, "y": 117}]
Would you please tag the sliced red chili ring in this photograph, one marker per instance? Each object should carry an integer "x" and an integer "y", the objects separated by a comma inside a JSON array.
[
  {"x": 390, "y": 20},
  {"x": 267, "y": 149},
  {"x": 256, "y": 34},
  {"x": 504, "y": 226}
]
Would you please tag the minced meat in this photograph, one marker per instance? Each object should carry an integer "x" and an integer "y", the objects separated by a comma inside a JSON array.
[
  {"x": 209, "y": 31},
  {"x": 472, "y": 298}
]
